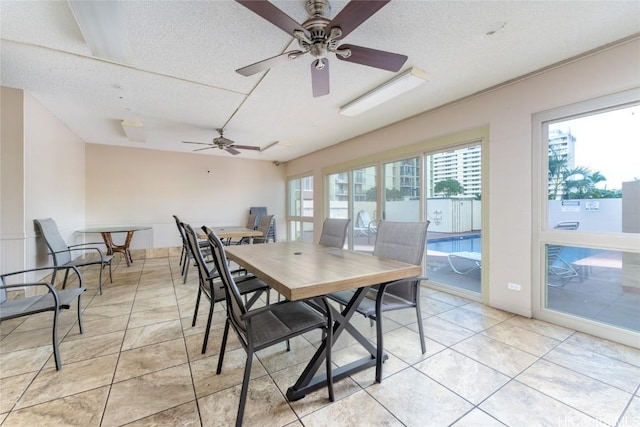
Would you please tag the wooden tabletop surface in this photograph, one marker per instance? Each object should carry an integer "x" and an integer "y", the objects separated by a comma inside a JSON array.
[
  {"x": 235, "y": 232},
  {"x": 300, "y": 270}
]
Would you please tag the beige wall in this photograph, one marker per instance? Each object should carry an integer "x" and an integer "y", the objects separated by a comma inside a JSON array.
[
  {"x": 42, "y": 176},
  {"x": 146, "y": 187},
  {"x": 12, "y": 233},
  {"x": 507, "y": 111}
]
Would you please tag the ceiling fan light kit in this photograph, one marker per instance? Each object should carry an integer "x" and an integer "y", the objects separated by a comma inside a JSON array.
[
  {"x": 400, "y": 84},
  {"x": 319, "y": 36},
  {"x": 134, "y": 130}
]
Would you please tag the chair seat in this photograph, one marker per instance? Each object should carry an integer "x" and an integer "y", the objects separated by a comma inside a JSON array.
[
  {"x": 38, "y": 303},
  {"x": 283, "y": 321},
  {"x": 368, "y": 305},
  {"x": 79, "y": 262}
]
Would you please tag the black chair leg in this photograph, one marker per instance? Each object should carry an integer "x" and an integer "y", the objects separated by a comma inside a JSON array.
[
  {"x": 100, "y": 280},
  {"x": 79, "y": 315},
  {"x": 206, "y": 333},
  {"x": 379, "y": 344},
  {"x": 420, "y": 331},
  {"x": 56, "y": 351},
  {"x": 245, "y": 388},
  {"x": 66, "y": 275},
  {"x": 223, "y": 347},
  {"x": 195, "y": 312}
]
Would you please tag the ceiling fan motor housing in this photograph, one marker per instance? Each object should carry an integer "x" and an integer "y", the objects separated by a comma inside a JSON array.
[{"x": 318, "y": 7}]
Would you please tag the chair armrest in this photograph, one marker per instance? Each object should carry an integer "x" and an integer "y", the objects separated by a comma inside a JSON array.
[
  {"x": 26, "y": 285},
  {"x": 72, "y": 248},
  {"x": 381, "y": 289},
  {"x": 256, "y": 311},
  {"x": 309, "y": 302},
  {"x": 88, "y": 243},
  {"x": 54, "y": 269}
]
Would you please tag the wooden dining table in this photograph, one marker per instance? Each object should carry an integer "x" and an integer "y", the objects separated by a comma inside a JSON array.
[
  {"x": 301, "y": 270},
  {"x": 236, "y": 232}
]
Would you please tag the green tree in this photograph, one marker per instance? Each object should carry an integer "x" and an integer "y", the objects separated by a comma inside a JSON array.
[
  {"x": 575, "y": 183},
  {"x": 449, "y": 187},
  {"x": 390, "y": 194}
]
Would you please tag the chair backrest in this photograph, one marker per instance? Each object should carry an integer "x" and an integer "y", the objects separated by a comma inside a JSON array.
[
  {"x": 265, "y": 227},
  {"x": 334, "y": 232},
  {"x": 180, "y": 230},
  {"x": 553, "y": 251},
  {"x": 567, "y": 225},
  {"x": 54, "y": 240},
  {"x": 363, "y": 219},
  {"x": 206, "y": 277},
  {"x": 251, "y": 221},
  {"x": 235, "y": 306},
  {"x": 402, "y": 241}
]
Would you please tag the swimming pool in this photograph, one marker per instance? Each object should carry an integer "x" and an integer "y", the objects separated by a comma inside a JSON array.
[
  {"x": 469, "y": 243},
  {"x": 473, "y": 243}
]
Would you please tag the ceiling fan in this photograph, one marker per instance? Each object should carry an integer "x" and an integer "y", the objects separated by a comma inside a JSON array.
[
  {"x": 224, "y": 144},
  {"x": 319, "y": 36}
]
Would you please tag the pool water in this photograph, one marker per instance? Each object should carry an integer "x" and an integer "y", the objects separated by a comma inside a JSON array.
[
  {"x": 473, "y": 243},
  {"x": 470, "y": 243}
]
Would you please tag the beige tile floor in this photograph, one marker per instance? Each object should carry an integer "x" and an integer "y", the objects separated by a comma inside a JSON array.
[{"x": 139, "y": 364}]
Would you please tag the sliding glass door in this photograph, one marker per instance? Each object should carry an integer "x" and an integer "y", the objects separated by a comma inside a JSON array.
[
  {"x": 353, "y": 194},
  {"x": 453, "y": 188}
]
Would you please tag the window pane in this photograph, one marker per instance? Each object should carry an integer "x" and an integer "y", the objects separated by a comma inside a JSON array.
[
  {"x": 402, "y": 190},
  {"x": 299, "y": 230},
  {"x": 301, "y": 197},
  {"x": 596, "y": 284},
  {"x": 594, "y": 171},
  {"x": 365, "y": 206},
  {"x": 338, "y": 195},
  {"x": 295, "y": 198},
  {"x": 306, "y": 186}
]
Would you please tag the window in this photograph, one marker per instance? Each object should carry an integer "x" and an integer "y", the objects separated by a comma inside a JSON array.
[
  {"x": 591, "y": 160},
  {"x": 300, "y": 208},
  {"x": 588, "y": 176}
]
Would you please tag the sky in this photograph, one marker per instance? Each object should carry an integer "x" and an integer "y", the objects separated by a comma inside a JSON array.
[{"x": 608, "y": 143}]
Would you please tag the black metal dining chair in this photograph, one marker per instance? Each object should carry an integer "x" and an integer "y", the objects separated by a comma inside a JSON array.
[
  {"x": 266, "y": 326},
  {"x": 210, "y": 287},
  {"x": 53, "y": 300},
  {"x": 401, "y": 241},
  {"x": 62, "y": 253}
]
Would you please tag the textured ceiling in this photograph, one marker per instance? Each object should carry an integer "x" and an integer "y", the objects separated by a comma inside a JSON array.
[{"x": 178, "y": 77}]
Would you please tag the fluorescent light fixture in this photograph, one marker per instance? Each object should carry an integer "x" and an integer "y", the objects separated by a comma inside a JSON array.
[
  {"x": 400, "y": 84},
  {"x": 276, "y": 145},
  {"x": 101, "y": 27},
  {"x": 134, "y": 130}
]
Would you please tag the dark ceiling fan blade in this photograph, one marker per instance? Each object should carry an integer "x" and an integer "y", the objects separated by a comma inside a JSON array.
[
  {"x": 205, "y": 148},
  {"x": 246, "y": 147},
  {"x": 200, "y": 143},
  {"x": 354, "y": 14},
  {"x": 373, "y": 58},
  {"x": 232, "y": 150},
  {"x": 272, "y": 14},
  {"x": 320, "y": 77},
  {"x": 265, "y": 64}
]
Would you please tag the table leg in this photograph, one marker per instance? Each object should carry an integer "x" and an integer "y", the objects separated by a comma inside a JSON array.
[
  {"x": 308, "y": 381},
  {"x": 124, "y": 248}
]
